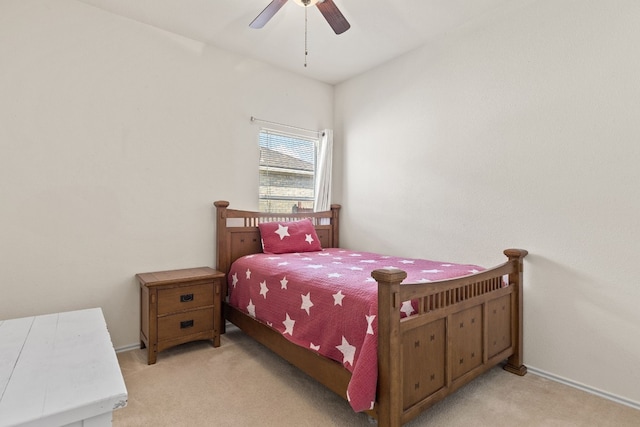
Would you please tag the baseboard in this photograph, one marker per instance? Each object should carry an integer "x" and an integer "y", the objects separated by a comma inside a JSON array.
[
  {"x": 591, "y": 390},
  {"x": 128, "y": 348}
]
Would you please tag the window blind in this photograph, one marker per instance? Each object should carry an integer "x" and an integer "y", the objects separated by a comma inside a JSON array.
[{"x": 287, "y": 171}]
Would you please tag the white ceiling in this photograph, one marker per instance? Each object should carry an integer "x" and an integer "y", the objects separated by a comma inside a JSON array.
[{"x": 380, "y": 29}]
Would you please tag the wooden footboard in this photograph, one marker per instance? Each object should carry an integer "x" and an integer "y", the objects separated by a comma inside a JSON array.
[{"x": 463, "y": 327}]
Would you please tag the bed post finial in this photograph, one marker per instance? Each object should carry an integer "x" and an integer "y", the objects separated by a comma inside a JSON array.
[
  {"x": 516, "y": 253},
  {"x": 515, "y": 363}
]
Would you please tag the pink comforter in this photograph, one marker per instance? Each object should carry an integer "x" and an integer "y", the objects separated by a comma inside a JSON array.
[{"x": 327, "y": 301}]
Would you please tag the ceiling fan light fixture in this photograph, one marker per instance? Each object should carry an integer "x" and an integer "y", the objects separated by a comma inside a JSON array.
[
  {"x": 307, "y": 3},
  {"x": 327, "y": 8}
]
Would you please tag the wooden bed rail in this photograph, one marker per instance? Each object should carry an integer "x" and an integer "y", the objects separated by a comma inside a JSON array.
[{"x": 252, "y": 219}]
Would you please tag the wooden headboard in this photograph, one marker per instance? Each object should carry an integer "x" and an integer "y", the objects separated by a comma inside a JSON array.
[{"x": 237, "y": 232}]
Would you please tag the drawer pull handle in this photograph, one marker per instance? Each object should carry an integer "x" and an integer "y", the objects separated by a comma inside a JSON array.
[
  {"x": 186, "y": 324},
  {"x": 186, "y": 298}
]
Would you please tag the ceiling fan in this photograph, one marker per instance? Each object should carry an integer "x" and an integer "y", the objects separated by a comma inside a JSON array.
[{"x": 327, "y": 7}]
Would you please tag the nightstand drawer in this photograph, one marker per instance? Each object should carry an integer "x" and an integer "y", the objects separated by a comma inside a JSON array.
[
  {"x": 181, "y": 324},
  {"x": 181, "y": 298}
]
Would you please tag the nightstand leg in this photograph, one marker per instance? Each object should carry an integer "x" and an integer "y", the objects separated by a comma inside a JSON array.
[{"x": 151, "y": 356}]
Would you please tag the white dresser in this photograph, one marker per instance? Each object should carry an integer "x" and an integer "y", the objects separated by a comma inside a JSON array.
[{"x": 59, "y": 370}]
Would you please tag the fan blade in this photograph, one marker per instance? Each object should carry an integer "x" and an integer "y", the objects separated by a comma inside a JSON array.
[
  {"x": 333, "y": 16},
  {"x": 267, "y": 13}
]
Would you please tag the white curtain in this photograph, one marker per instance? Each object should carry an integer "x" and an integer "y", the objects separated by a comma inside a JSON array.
[{"x": 322, "y": 200}]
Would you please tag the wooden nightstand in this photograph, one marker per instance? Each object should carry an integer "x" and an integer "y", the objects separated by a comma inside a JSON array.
[{"x": 179, "y": 306}]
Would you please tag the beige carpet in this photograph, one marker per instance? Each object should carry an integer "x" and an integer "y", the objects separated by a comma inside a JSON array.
[{"x": 242, "y": 383}]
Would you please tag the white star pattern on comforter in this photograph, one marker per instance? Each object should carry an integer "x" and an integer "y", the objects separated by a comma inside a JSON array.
[{"x": 327, "y": 301}]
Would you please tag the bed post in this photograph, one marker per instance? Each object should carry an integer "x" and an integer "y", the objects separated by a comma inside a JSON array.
[
  {"x": 389, "y": 346},
  {"x": 222, "y": 253},
  {"x": 515, "y": 362},
  {"x": 335, "y": 226}
]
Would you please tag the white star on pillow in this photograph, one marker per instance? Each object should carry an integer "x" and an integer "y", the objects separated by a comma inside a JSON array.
[
  {"x": 308, "y": 238},
  {"x": 282, "y": 231}
]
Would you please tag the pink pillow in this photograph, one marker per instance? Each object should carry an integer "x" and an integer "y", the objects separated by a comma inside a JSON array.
[{"x": 287, "y": 237}]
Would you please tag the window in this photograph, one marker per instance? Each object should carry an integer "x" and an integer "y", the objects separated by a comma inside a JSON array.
[{"x": 287, "y": 172}]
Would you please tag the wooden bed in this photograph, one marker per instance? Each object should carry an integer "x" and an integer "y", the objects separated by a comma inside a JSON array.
[{"x": 464, "y": 326}]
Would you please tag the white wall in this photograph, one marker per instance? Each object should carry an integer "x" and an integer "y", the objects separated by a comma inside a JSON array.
[
  {"x": 115, "y": 139},
  {"x": 519, "y": 131}
]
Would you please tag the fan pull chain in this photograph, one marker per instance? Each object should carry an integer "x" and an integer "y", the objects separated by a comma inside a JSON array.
[{"x": 306, "y": 52}]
